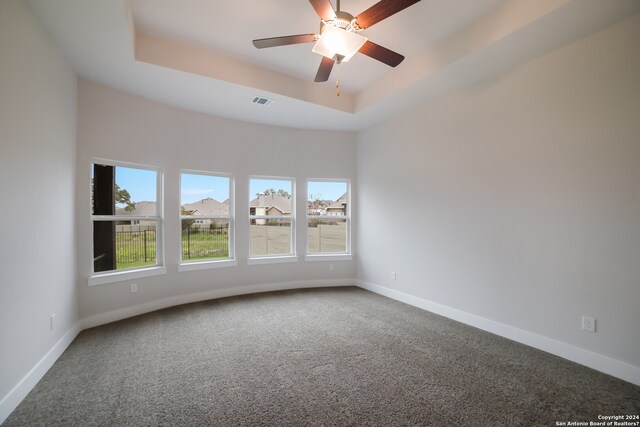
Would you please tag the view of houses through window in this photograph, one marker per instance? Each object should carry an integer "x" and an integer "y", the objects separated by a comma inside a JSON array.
[
  {"x": 327, "y": 217},
  {"x": 127, "y": 223},
  {"x": 125, "y": 217},
  {"x": 206, "y": 218},
  {"x": 271, "y": 216}
]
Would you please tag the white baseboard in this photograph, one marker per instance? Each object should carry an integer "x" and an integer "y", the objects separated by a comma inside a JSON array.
[
  {"x": 135, "y": 310},
  {"x": 579, "y": 355},
  {"x": 20, "y": 391},
  {"x": 596, "y": 361}
]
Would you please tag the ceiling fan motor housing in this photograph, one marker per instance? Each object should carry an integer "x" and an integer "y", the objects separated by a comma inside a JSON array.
[{"x": 343, "y": 20}]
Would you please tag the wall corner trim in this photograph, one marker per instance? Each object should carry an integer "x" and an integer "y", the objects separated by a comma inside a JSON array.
[
  {"x": 29, "y": 381},
  {"x": 599, "y": 362}
]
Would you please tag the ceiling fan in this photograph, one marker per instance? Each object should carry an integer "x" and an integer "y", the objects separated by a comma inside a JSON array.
[{"x": 339, "y": 37}]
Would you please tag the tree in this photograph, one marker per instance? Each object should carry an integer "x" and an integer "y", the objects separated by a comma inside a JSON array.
[
  {"x": 272, "y": 192},
  {"x": 124, "y": 198},
  {"x": 186, "y": 223},
  {"x": 315, "y": 204},
  {"x": 283, "y": 193},
  {"x": 269, "y": 192},
  {"x": 121, "y": 196}
]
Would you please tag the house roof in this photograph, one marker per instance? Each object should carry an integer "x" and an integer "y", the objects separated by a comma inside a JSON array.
[
  {"x": 141, "y": 209},
  {"x": 207, "y": 207},
  {"x": 283, "y": 204},
  {"x": 338, "y": 204}
]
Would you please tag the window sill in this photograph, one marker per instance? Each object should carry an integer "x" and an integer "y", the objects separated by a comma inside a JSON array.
[
  {"x": 328, "y": 257},
  {"x": 206, "y": 265},
  {"x": 120, "y": 276},
  {"x": 272, "y": 260}
]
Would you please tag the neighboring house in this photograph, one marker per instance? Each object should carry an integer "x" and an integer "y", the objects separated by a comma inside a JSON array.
[
  {"x": 317, "y": 207},
  {"x": 206, "y": 208},
  {"x": 328, "y": 207},
  {"x": 140, "y": 209},
  {"x": 269, "y": 205},
  {"x": 339, "y": 207}
]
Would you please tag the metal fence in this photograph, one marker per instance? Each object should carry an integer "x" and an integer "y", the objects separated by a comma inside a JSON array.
[
  {"x": 209, "y": 242},
  {"x": 135, "y": 247}
]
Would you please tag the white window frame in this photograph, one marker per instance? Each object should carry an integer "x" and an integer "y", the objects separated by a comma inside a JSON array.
[
  {"x": 280, "y": 258},
  {"x": 330, "y": 256},
  {"x": 111, "y": 276},
  {"x": 209, "y": 263}
]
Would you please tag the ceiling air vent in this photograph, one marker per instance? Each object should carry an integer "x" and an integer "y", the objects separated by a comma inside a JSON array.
[{"x": 265, "y": 102}]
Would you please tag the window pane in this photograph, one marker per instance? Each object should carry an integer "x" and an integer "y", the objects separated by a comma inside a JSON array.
[
  {"x": 270, "y": 237},
  {"x": 327, "y": 236},
  {"x": 270, "y": 197},
  {"x": 327, "y": 198},
  {"x": 117, "y": 190},
  {"x": 205, "y": 195},
  {"x": 205, "y": 239},
  {"x": 121, "y": 244}
]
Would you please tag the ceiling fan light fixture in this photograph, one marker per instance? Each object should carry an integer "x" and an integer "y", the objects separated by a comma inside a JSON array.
[
  {"x": 336, "y": 41},
  {"x": 339, "y": 39}
]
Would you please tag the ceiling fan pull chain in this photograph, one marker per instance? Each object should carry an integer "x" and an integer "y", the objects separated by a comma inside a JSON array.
[{"x": 337, "y": 75}]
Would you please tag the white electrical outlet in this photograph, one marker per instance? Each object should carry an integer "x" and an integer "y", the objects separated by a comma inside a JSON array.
[
  {"x": 134, "y": 288},
  {"x": 588, "y": 323},
  {"x": 393, "y": 275},
  {"x": 53, "y": 315},
  {"x": 330, "y": 267}
]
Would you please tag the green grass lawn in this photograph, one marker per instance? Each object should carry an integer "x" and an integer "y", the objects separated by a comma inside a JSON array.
[
  {"x": 135, "y": 249},
  {"x": 214, "y": 244},
  {"x": 204, "y": 246},
  {"x": 130, "y": 247}
]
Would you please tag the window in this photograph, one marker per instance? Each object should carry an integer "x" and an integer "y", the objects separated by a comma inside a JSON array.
[
  {"x": 271, "y": 217},
  {"x": 206, "y": 213},
  {"x": 126, "y": 216},
  {"x": 328, "y": 217}
]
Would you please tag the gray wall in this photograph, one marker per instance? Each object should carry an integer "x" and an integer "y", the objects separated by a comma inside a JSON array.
[
  {"x": 119, "y": 126},
  {"x": 518, "y": 199},
  {"x": 37, "y": 197}
]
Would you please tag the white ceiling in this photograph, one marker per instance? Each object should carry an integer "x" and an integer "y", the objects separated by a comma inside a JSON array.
[
  {"x": 197, "y": 54},
  {"x": 230, "y": 27}
]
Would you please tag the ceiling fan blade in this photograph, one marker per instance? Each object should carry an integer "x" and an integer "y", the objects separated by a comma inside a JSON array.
[
  {"x": 382, "y": 10},
  {"x": 325, "y": 69},
  {"x": 382, "y": 54},
  {"x": 284, "y": 40},
  {"x": 324, "y": 9}
]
